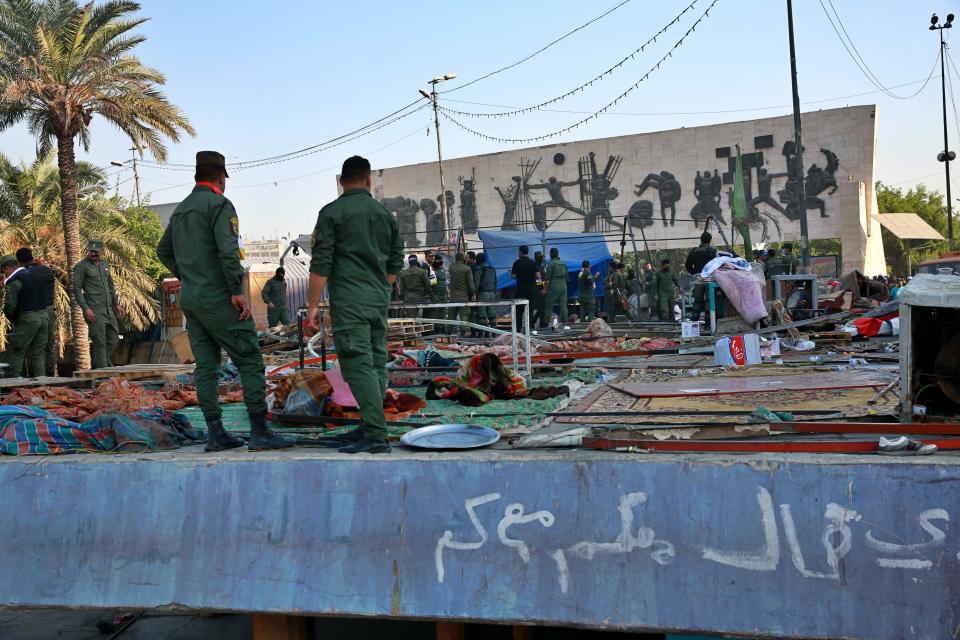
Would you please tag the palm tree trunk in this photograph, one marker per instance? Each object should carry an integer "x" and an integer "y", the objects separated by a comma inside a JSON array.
[{"x": 71, "y": 239}]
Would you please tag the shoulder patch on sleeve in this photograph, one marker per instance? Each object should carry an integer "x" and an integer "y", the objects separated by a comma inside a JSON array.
[{"x": 235, "y": 225}]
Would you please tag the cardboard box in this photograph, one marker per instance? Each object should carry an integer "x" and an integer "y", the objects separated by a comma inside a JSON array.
[
  {"x": 739, "y": 350},
  {"x": 181, "y": 345}
]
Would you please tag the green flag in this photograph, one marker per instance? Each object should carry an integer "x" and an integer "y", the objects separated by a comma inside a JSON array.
[{"x": 738, "y": 208}]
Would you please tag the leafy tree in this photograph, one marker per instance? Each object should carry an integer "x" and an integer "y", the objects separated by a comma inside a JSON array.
[
  {"x": 928, "y": 205},
  {"x": 30, "y": 216},
  {"x": 62, "y": 63}
]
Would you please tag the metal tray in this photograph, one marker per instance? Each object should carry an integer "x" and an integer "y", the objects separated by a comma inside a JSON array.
[{"x": 450, "y": 436}]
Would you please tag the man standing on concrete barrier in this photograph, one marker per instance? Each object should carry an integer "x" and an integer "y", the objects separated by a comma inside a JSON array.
[
  {"x": 274, "y": 294},
  {"x": 358, "y": 235},
  {"x": 96, "y": 294},
  {"x": 201, "y": 247}
]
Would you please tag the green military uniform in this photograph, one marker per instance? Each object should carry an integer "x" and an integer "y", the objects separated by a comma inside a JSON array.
[
  {"x": 616, "y": 288},
  {"x": 556, "y": 276},
  {"x": 94, "y": 289},
  {"x": 28, "y": 336},
  {"x": 201, "y": 247},
  {"x": 788, "y": 264},
  {"x": 650, "y": 289},
  {"x": 667, "y": 285},
  {"x": 440, "y": 292},
  {"x": 359, "y": 235},
  {"x": 415, "y": 288},
  {"x": 588, "y": 302},
  {"x": 275, "y": 293},
  {"x": 485, "y": 278},
  {"x": 538, "y": 319},
  {"x": 462, "y": 289}
]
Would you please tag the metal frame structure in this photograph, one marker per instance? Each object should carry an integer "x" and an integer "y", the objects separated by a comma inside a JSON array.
[{"x": 513, "y": 304}]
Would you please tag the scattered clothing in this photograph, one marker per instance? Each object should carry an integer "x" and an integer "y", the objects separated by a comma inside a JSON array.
[
  {"x": 485, "y": 378},
  {"x": 743, "y": 291}
]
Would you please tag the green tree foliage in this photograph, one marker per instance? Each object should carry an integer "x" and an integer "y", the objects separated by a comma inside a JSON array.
[
  {"x": 62, "y": 64},
  {"x": 30, "y": 217},
  {"x": 925, "y": 203}
]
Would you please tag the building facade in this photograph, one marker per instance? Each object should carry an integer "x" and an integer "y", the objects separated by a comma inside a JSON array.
[{"x": 669, "y": 185}]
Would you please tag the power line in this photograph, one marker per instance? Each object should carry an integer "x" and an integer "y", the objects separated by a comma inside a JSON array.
[
  {"x": 858, "y": 59},
  {"x": 330, "y": 168},
  {"x": 540, "y": 50},
  {"x": 595, "y": 114},
  {"x": 302, "y": 154},
  {"x": 588, "y": 83},
  {"x": 328, "y": 144},
  {"x": 697, "y": 113}
]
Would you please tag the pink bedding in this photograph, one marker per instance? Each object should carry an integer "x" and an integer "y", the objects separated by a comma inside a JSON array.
[{"x": 743, "y": 291}]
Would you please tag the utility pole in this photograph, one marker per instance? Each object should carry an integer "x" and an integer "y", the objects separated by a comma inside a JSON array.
[
  {"x": 945, "y": 156},
  {"x": 432, "y": 97},
  {"x": 798, "y": 164},
  {"x": 136, "y": 176}
]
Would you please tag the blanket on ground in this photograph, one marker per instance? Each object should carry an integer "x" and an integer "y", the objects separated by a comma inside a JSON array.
[{"x": 31, "y": 431}]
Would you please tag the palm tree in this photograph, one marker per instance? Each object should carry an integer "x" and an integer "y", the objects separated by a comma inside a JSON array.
[
  {"x": 30, "y": 216},
  {"x": 62, "y": 63}
]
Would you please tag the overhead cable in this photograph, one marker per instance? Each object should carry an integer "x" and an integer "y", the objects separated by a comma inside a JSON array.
[{"x": 596, "y": 113}]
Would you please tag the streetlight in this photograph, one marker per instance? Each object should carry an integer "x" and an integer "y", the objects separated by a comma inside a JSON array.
[
  {"x": 136, "y": 175},
  {"x": 945, "y": 156},
  {"x": 432, "y": 97}
]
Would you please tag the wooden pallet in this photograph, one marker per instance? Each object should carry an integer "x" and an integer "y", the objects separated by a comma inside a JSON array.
[
  {"x": 400, "y": 328},
  {"x": 136, "y": 372}
]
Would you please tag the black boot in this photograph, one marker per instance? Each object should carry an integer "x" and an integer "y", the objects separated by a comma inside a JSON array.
[
  {"x": 365, "y": 445},
  {"x": 217, "y": 437},
  {"x": 261, "y": 437}
]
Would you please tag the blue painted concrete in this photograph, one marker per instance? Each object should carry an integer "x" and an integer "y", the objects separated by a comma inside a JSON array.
[{"x": 861, "y": 547}]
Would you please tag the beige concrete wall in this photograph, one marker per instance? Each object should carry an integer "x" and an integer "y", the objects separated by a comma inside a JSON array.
[{"x": 849, "y": 132}]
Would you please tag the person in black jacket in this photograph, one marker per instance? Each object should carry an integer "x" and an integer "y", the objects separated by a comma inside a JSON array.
[{"x": 696, "y": 261}]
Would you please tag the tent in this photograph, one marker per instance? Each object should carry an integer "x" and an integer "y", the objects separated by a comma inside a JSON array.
[{"x": 500, "y": 248}]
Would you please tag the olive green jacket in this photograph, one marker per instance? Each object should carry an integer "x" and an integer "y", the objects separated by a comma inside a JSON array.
[
  {"x": 201, "y": 247},
  {"x": 356, "y": 244},
  {"x": 275, "y": 292}
]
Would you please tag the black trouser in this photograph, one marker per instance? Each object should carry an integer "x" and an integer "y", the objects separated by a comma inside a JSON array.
[{"x": 699, "y": 300}]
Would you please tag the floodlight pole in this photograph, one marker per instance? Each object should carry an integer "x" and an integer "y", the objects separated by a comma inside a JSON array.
[
  {"x": 432, "y": 97},
  {"x": 798, "y": 164},
  {"x": 945, "y": 156}
]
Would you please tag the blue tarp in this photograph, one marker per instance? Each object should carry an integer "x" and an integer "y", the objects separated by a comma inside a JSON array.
[{"x": 501, "y": 249}]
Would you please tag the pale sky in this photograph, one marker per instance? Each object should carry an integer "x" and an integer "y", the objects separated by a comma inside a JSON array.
[{"x": 257, "y": 79}]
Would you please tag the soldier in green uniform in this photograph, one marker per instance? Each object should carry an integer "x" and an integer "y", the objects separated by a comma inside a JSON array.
[
  {"x": 556, "y": 286},
  {"x": 23, "y": 305},
  {"x": 615, "y": 291},
  {"x": 650, "y": 290},
  {"x": 588, "y": 302},
  {"x": 96, "y": 294},
  {"x": 667, "y": 287},
  {"x": 462, "y": 289},
  {"x": 485, "y": 278},
  {"x": 440, "y": 290},
  {"x": 788, "y": 260},
  {"x": 538, "y": 321},
  {"x": 274, "y": 294},
  {"x": 414, "y": 286},
  {"x": 359, "y": 235},
  {"x": 201, "y": 247}
]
